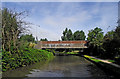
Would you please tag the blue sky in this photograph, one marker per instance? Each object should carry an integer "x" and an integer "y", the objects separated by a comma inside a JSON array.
[{"x": 54, "y": 17}]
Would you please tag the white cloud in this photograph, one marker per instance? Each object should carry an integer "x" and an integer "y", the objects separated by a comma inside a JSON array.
[
  {"x": 73, "y": 16},
  {"x": 66, "y": 15},
  {"x": 43, "y": 33},
  {"x": 58, "y": 22}
]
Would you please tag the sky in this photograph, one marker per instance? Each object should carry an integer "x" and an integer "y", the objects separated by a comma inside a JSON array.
[
  {"x": 60, "y": 0},
  {"x": 54, "y": 17}
]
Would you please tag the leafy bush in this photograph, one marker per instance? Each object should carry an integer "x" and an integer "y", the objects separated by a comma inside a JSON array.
[{"x": 24, "y": 57}]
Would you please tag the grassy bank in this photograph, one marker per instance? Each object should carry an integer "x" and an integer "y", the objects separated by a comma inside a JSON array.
[
  {"x": 92, "y": 59},
  {"x": 107, "y": 65},
  {"x": 67, "y": 52},
  {"x": 23, "y": 58},
  {"x": 71, "y": 52}
]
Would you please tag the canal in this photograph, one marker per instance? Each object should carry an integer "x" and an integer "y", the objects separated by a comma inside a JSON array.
[{"x": 60, "y": 66}]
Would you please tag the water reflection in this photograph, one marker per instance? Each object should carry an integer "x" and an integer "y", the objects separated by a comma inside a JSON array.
[{"x": 64, "y": 66}]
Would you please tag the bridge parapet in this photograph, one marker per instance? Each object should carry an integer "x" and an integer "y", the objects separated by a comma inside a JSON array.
[{"x": 62, "y": 44}]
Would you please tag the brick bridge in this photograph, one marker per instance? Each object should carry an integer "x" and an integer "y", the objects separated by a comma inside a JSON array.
[{"x": 61, "y": 45}]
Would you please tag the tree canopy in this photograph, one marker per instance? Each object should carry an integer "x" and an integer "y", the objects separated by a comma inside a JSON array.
[
  {"x": 95, "y": 36},
  {"x": 111, "y": 43},
  {"x": 68, "y": 35},
  {"x": 79, "y": 35}
]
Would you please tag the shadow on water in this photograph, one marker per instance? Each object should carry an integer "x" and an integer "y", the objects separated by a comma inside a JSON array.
[
  {"x": 60, "y": 67},
  {"x": 22, "y": 71}
]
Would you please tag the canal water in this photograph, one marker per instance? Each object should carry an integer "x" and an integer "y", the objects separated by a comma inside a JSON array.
[{"x": 60, "y": 66}]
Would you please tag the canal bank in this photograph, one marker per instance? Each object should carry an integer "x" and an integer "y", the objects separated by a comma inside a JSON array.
[
  {"x": 24, "y": 57},
  {"x": 60, "y": 66},
  {"x": 105, "y": 65}
]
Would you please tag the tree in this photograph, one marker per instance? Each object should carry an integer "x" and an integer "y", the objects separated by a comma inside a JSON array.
[
  {"x": 109, "y": 35},
  {"x": 117, "y": 39},
  {"x": 28, "y": 38},
  {"x": 79, "y": 35},
  {"x": 95, "y": 38},
  {"x": 65, "y": 32},
  {"x": 64, "y": 38},
  {"x": 11, "y": 29},
  {"x": 111, "y": 43},
  {"x": 117, "y": 33},
  {"x": 67, "y": 35}
]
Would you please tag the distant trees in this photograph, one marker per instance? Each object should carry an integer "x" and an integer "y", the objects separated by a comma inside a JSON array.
[
  {"x": 68, "y": 35},
  {"x": 45, "y": 39},
  {"x": 27, "y": 37}
]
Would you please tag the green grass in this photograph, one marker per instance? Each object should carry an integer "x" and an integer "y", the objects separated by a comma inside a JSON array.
[
  {"x": 105, "y": 65},
  {"x": 111, "y": 61},
  {"x": 96, "y": 60},
  {"x": 93, "y": 59}
]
